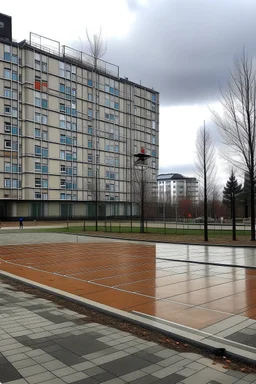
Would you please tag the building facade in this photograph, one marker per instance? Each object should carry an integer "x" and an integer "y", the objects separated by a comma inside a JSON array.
[
  {"x": 173, "y": 187},
  {"x": 69, "y": 129}
]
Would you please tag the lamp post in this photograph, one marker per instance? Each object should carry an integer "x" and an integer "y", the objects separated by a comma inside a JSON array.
[
  {"x": 96, "y": 201},
  {"x": 141, "y": 162}
]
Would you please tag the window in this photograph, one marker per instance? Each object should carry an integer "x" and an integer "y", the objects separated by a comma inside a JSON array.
[
  {"x": 44, "y": 67},
  {"x": 62, "y": 121},
  {"x": 90, "y": 174},
  {"x": 44, "y": 119},
  {"x": 37, "y": 167},
  {"x": 69, "y": 171},
  {"x": 14, "y": 95},
  {"x": 62, "y": 183},
  {"x": 116, "y": 105},
  {"x": 15, "y": 145},
  {"x": 38, "y": 195},
  {"x": 89, "y": 130},
  {"x": 62, "y": 155},
  {"x": 38, "y": 65},
  {"x": 63, "y": 169},
  {"x": 153, "y": 153},
  {"x": 45, "y": 196},
  {"x": 44, "y": 152},
  {"x": 89, "y": 143},
  {"x": 45, "y": 183},
  {"x": 7, "y": 56},
  {"x": 63, "y": 139},
  {"x": 14, "y": 112},
  {"x": 107, "y": 102},
  {"x": 153, "y": 124},
  {"x": 7, "y": 109},
  {"x": 153, "y": 139},
  {"x": 38, "y": 117},
  {"x": 37, "y": 183},
  {"x": 37, "y": 102},
  {"x": 8, "y": 144},
  {"x": 44, "y": 103},
  {"x": 7, "y": 167},
  {"x": 7, "y": 183},
  {"x": 63, "y": 196},
  {"x": 7, "y": 73},
  {"x": 37, "y": 150},
  {"x": 45, "y": 135},
  {"x": 62, "y": 108},
  {"x": 44, "y": 168},
  {"x": 89, "y": 112},
  {"x": 89, "y": 158},
  {"x": 14, "y": 168},
  {"x": 14, "y": 183},
  {"x": 89, "y": 83},
  {"x": 15, "y": 76},
  {"x": 153, "y": 98},
  {"x": 62, "y": 88},
  {"x": 8, "y": 93},
  {"x": 37, "y": 133},
  {"x": 7, "y": 127},
  {"x": 74, "y": 127},
  {"x": 7, "y": 48},
  {"x": 89, "y": 96},
  {"x": 69, "y": 140},
  {"x": 61, "y": 69}
]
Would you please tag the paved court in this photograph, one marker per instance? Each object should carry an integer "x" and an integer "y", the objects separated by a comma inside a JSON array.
[
  {"x": 43, "y": 343},
  {"x": 158, "y": 280}
]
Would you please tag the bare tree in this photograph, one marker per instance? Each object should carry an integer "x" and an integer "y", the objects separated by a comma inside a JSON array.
[
  {"x": 238, "y": 122},
  {"x": 144, "y": 191},
  {"x": 96, "y": 187},
  {"x": 205, "y": 163},
  {"x": 97, "y": 46}
]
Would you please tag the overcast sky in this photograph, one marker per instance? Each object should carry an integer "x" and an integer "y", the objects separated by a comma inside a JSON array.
[{"x": 182, "y": 48}]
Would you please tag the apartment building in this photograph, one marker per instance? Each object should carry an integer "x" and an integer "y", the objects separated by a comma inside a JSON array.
[
  {"x": 69, "y": 128},
  {"x": 173, "y": 187}
]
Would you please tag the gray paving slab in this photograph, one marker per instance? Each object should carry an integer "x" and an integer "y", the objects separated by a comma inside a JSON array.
[{"x": 87, "y": 358}]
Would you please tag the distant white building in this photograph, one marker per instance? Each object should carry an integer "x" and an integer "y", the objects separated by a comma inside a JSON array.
[{"x": 173, "y": 187}]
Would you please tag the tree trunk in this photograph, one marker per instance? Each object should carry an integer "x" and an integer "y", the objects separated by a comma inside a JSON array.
[
  {"x": 205, "y": 195},
  {"x": 233, "y": 204},
  {"x": 252, "y": 209}
]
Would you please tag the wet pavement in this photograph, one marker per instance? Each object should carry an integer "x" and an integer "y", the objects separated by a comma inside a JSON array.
[
  {"x": 43, "y": 343},
  {"x": 209, "y": 289}
]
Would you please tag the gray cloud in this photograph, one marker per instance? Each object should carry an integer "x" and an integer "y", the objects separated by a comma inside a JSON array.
[
  {"x": 184, "y": 48},
  {"x": 187, "y": 170}
]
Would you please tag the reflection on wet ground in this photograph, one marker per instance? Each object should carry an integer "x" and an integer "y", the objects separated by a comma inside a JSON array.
[{"x": 143, "y": 277}]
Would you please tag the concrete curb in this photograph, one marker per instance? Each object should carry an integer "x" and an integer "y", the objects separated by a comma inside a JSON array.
[
  {"x": 163, "y": 242},
  {"x": 178, "y": 332}
]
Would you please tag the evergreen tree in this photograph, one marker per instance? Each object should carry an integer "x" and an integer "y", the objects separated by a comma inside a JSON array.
[{"x": 231, "y": 190}]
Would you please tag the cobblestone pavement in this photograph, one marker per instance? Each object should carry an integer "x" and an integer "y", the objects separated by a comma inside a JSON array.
[{"x": 43, "y": 343}]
